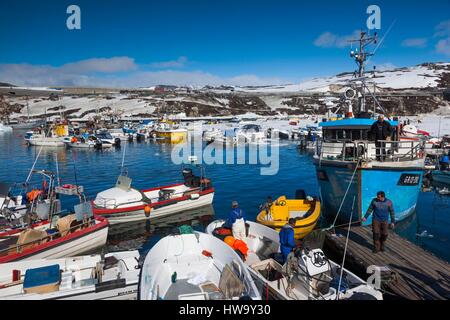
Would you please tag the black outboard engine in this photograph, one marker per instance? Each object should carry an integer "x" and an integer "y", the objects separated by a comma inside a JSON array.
[
  {"x": 188, "y": 177},
  {"x": 117, "y": 142},
  {"x": 98, "y": 144},
  {"x": 300, "y": 194}
]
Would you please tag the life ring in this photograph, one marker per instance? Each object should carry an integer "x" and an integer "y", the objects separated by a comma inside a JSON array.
[{"x": 74, "y": 140}]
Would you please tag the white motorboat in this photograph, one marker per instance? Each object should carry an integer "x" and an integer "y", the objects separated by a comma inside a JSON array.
[
  {"x": 112, "y": 277},
  {"x": 307, "y": 275},
  {"x": 195, "y": 266},
  {"x": 107, "y": 139},
  {"x": 4, "y": 128},
  {"x": 124, "y": 203},
  {"x": 54, "y": 236},
  {"x": 83, "y": 142},
  {"x": 217, "y": 136},
  {"x": 41, "y": 140}
]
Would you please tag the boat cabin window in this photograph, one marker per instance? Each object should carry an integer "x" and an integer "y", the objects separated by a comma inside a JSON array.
[{"x": 345, "y": 134}]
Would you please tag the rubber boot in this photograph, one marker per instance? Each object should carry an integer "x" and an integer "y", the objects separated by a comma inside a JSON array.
[{"x": 376, "y": 243}]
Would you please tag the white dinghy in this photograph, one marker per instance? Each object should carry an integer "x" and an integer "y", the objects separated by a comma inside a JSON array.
[
  {"x": 115, "y": 277},
  {"x": 307, "y": 275},
  {"x": 195, "y": 266}
]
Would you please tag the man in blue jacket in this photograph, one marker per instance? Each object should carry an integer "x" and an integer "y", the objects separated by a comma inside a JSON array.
[
  {"x": 236, "y": 222},
  {"x": 382, "y": 208},
  {"x": 287, "y": 240}
]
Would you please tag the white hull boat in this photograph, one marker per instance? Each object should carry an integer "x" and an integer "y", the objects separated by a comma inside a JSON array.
[
  {"x": 306, "y": 276},
  {"x": 195, "y": 266},
  {"x": 43, "y": 241},
  {"x": 4, "y": 129},
  {"x": 115, "y": 277},
  {"x": 125, "y": 204}
]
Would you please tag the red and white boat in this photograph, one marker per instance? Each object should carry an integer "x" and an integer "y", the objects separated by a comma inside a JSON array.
[
  {"x": 67, "y": 238},
  {"x": 124, "y": 203}
]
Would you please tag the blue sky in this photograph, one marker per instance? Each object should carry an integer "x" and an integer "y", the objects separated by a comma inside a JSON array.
[{"x": 142, "y": 43}]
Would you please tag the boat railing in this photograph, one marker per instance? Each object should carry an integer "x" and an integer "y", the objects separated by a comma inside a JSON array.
[{"x": 382, "y": 150}]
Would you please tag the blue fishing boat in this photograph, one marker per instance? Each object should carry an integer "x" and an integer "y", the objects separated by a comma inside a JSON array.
[{"x": 351, "y": 167}]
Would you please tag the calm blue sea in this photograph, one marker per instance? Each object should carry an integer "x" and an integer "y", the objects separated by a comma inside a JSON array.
[{"x": 149, "y": 164}]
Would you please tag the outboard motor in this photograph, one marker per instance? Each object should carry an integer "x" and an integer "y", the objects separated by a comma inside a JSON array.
[
  {"x": 98, "y": 145},
  {"x": 117, "y": 142},
  {"x": 300, "y": 194},
  {"x": 188, "y": 177}
]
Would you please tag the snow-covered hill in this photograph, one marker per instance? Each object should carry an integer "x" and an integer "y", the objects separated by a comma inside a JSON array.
[
  {"x": 227, "y": 100},
  {"x": 424, "y": 76}
]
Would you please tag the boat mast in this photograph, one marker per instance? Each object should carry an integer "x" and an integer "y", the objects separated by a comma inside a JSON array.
[{"x": 360, "y": 57}]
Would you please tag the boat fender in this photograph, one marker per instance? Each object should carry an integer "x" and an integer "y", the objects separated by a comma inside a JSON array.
[
  {"x": 195, "y": 196},
  {"x": 147, "y": 210}
]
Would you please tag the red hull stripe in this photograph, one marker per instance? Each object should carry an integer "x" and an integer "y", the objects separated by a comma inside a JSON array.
[
  {"x": 98, "y": 211},
  {"x": 54, "y": 243}
]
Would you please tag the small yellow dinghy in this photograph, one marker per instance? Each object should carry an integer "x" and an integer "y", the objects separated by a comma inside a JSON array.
[{"x": 305, "y": 211}]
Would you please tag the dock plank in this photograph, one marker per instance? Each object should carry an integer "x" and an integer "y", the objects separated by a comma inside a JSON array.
[{"x": 418, "y": 273}]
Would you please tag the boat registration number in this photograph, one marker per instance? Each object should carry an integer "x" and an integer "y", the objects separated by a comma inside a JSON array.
[{"x": 409, "y": 179}]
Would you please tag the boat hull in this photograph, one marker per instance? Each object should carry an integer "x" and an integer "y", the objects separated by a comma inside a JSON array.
[
  {"x": 441, "y": 177},
  {"x": 46, "y": 142},
  {"x": 122, "y": 215},
  {"x": 172, "y": 136},
  {"x": 72, "y": 245},
  {"x": 335, "y": 179}
]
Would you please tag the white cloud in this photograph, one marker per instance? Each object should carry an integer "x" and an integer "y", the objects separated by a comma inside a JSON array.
[
  {"x": 102, "y": 65},
  {"x": 331, "y": 40},
  {"x": 415, "y": 43},
  {"x": 442, "y": 29},
  {"x": 443, "y": 47},
  {"x": 179, "y": 63},
  {"x": 106, "y": 74}
]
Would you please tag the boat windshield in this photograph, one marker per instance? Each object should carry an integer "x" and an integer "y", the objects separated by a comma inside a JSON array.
[{"x": 104, "y": 135}]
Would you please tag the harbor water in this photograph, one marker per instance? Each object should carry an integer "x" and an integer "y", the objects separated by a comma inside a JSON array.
[{"x": 149, "y": 164}]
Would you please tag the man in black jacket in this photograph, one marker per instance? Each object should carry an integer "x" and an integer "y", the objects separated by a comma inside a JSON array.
[{"x": 380, "y": 130}]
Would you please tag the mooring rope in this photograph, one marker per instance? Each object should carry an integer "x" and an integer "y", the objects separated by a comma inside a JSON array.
[
  {"x": 35, "y": 161},
  {"x": 343, "y": 199},
  {"x": 345, "y": 249}
]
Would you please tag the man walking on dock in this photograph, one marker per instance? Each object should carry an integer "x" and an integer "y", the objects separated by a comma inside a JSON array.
[
  {"x": 381, "y": 207},
  {"x": 380, "y": 131}
]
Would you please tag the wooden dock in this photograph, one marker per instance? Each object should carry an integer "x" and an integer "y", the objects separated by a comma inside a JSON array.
[{"x": 416, "y": 273}]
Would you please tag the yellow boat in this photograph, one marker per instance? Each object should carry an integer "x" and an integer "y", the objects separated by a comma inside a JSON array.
[
  {"x": 172, "y": 135},
  {"x": 167, "y": 130},
  {"x": 306, "y": 213}
]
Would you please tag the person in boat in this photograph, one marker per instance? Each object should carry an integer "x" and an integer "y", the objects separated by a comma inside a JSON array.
[
  {"x": 287, "y": 239},
  {"x": 444, "y": 163},
  {"x": 236, "y": 221},
  {"x": 309, "y": 136},
  {"x": 381, "y": 130},
  {"x": 267, "y": 205},
  {"x": 382, "y": 208}
]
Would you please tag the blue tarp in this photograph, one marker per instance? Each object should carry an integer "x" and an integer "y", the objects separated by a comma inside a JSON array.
[{"x": 41, "y": 276}]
